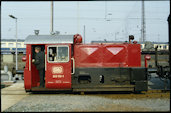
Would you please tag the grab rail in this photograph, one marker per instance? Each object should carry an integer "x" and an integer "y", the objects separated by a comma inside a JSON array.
[
  {"x": 73, "y": 66},
  {"x": 29, "y": 62}
]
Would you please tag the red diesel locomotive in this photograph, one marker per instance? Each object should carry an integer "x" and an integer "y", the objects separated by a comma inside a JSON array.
[{"x": 71, "y": 65}]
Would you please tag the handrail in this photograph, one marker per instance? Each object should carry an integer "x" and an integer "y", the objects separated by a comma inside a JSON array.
[
  {"x": 73, "y": 66},
  {"x": 29, "y": 62},
  {"x": 45, "y": 62}
]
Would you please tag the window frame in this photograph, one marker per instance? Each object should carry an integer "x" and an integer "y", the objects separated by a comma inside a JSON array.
[
  {"x": 11, "y": 43},
  {"x": 57, "y": 53},
  {"x": 19, "y": 44},
  {"x": 164, "y": 46},
  {"x": 2, "y": 45}
]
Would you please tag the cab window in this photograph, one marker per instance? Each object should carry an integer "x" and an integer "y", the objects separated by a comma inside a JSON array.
[{"x": 58, "y": 54}]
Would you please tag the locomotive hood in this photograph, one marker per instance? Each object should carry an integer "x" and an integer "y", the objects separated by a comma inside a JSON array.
[{"x": 49, "y": 39}]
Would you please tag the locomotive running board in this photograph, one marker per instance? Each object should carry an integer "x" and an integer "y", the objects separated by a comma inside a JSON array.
[
  {"x": 102, "y": 89},
  {"x": 46, "y": 89}
]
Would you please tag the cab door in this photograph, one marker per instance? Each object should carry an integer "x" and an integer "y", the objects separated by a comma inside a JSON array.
[
  {"x": 58, "y": 66},
  {"x": 27, "y": 69}
]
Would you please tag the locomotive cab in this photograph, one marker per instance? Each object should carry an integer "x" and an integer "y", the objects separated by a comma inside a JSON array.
[{"x": 58, "y": 67}]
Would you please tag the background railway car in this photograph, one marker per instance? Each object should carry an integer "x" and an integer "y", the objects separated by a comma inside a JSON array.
[
  {"x": 8, "y": 46},
  {"x": 71, "y": 65}
]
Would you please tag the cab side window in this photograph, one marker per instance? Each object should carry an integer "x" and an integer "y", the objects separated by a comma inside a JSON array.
[
  {"x": 52, "y": 53},
  {"x": 63, "y": 54},
  {"x": 58, "y": 54}
]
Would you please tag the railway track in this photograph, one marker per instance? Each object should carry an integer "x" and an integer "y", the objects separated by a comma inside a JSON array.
[
  {"x": 144, "y": 94},
  {"x": 148, "y": 94},
  {"x": 18, "y": 89}
]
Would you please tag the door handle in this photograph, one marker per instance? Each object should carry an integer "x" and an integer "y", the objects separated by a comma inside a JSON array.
[{"x": 73, "y": 69}]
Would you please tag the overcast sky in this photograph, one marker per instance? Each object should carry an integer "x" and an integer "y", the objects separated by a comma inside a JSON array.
[{"x": 110, "y": 20}]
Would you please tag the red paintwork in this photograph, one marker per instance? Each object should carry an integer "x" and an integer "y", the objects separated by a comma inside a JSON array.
[
  {"x": 85, "y": 55},
  {"x": 107, "y": 55},
  {"x": 147, "y": 57},
  {"x": 63, "y": 82},
  {"x": 134, "y": 55},
  {"x": 24, "y": 58},
  {"x": 32, "y": 79},
  {"x": 27, "y": 73},
  {"x": 77, "y": 38}
]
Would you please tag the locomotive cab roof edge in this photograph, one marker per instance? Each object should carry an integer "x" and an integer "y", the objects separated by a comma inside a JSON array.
[{"x": 49, "y": 39}]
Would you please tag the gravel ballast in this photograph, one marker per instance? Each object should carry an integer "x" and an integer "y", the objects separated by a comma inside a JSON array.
[{"x": 74, "y": 102}]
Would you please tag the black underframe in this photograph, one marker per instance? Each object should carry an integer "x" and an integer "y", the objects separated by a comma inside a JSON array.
[{"x": 110, "y": 79}]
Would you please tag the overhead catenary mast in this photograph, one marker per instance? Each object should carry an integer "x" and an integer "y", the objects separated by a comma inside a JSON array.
[
  {"x": 143, "y": 27},
  {"x": 84, "y": 34},
  {"x": 78, "y": 22},
  {"x": 51, "y": 17}
]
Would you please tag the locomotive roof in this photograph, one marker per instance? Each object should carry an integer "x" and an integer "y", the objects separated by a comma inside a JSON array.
[{"x": 48, "y": 39}]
